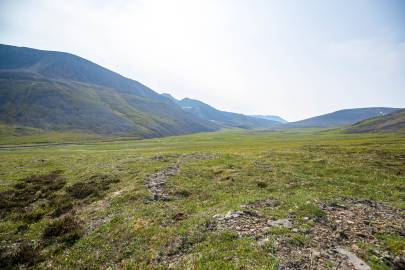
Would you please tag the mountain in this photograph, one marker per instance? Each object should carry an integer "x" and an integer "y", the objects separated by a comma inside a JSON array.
[
  {"x": 342, "y": 117},
  {"x": 60, "y": 91},
  {"x": 221, "y": 118},
  {"x": 272, "y": 118},
  {"x": 390, "y": 122}
]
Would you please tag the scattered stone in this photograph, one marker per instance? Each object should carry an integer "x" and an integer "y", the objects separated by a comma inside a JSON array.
[
  {"x": 316, "y": 253},
  {"x": 157, "y": 181},
  {"x": 200, "y": 156},
  {"x": 286, "y": 223},
  {"x": 244, "y": 223},
  {"x": 358, "y": 221},
  {"x": 355, "y": 261},
  {"x": 159, "y": 158},
  {"x": 98, "y": 222},
  {"x": 331, "y": 237},
  {"x": 355, "y": 247},
  {"x": 262, "y": 241},
  {"x": 233, "y": 214}
]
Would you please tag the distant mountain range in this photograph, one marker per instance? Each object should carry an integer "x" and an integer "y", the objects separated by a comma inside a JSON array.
[
  {"x": 60, "y": 91},
  {"x": 272, "y": 118},
  {"x": 221, "y": 118},
  {"x": 341, "y": 117},
  {"x": 391, "y": 122}
]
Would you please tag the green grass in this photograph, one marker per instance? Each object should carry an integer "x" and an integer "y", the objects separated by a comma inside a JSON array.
[{"x": 298, "y": 168}]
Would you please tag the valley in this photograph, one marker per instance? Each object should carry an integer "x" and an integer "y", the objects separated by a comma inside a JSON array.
[
  {"x": 231, "y": 199},
  {"x": 202, "y": 135}
]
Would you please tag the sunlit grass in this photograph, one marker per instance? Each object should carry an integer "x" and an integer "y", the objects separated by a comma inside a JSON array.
[{"x": 298, "y": 168}]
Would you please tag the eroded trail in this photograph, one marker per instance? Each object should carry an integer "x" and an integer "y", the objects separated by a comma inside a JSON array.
[{"x": 156, "y": 182}]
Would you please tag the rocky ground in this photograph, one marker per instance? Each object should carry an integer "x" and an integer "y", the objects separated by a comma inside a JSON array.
[
  {"x": 331, "y": 242},
  {"x": 156, "y": 182}
]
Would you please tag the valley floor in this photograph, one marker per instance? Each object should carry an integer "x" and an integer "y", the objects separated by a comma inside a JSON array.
[{"x": 291, "y": 199}]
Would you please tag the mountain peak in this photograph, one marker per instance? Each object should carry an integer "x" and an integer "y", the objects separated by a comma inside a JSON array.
[{"x": 169, "y": 97}]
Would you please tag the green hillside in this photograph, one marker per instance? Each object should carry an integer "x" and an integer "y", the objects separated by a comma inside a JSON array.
[
  {"x": 391, "y": 122},
  {"x": 56, "y": 91},
  {"x": 61, "y": 106}
]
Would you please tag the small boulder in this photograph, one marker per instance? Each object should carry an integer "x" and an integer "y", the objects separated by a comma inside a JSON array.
[{"x": 281, "y": 223}]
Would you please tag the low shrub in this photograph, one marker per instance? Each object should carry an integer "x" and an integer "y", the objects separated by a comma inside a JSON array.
[
  {"x": 66, "y": 229},
  {"x": 22, "y": 253}
]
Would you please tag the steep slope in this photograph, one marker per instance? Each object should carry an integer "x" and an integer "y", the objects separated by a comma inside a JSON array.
[
  {"x": 390, "y": 122},
  {"x": 272, "y": 118},
  {"x": 60, "y": 91},
  {"x": 342, "y": 117},
  {"x": 224, "y": 119}
]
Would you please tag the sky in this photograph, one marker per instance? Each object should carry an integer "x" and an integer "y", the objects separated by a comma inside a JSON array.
[{"x": 295, "y": 59}]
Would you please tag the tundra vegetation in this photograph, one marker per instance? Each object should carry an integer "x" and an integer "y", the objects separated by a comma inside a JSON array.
[{"x": 225, "y": 200}]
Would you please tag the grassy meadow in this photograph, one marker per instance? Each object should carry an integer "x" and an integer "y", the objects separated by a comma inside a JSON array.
[{"x": 86, "y": 205}]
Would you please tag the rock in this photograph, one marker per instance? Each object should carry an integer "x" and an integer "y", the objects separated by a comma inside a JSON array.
[
  {"x": 336, "y": 205},
  {"x": 233, "y": 214},
  {"x": 159, "y": 158},
  {"x": 281, "y": 223},
  {"x": 355, "y": 247},
  {"x": 355, "y": 261},
  {"x": 315, "y": 253},
  {"x": 261, "y": 242}
]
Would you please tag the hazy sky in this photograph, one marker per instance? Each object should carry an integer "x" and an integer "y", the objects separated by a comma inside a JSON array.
[{"x": 291, "y": 58}]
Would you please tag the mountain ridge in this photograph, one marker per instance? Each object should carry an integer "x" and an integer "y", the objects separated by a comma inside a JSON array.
[
  {"x": 341, "y": 117},
  {"x": 271, "y": 117},
  {"x": 61, "y": 91},
  {"x": 222, "y": 118},
  {"x": 390, "y": 122}
]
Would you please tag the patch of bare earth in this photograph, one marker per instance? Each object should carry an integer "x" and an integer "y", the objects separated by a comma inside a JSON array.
[
  {"x": 335, "y": 238},
  {"x": 249, "y": 222},
  {"x": 93, "y": 212},
  {"x": 156, "y": 182},
  {"x": 332, "y": 240}
]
